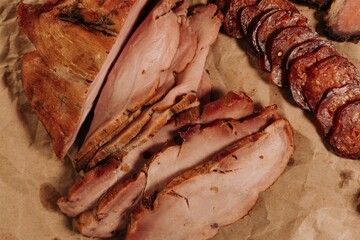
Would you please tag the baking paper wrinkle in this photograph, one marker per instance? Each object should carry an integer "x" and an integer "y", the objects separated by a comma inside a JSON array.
[{"x": 316, "y": 197}]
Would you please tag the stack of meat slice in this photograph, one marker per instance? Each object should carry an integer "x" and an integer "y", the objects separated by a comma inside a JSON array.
[
  {"x": 76, "y": 43},
  {"x": 320, "y": 79},
  {"x": 102, "y": 199},
  {"x": 158, "y": 74}
]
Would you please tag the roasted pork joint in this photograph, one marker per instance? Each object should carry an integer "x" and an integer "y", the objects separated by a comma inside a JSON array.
[
  {"x": 76, "y": 43},
  {"x": 192, "y": 204}
]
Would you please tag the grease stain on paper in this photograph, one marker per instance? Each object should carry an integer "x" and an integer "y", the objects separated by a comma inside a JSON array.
[
  {"x": 345, "y": 177},
  {"x": 357, "y": 201},
  {"x": 303, "y": 148},
  {"x": 48, "y": 197},
  {"x": 7, "y": 236}
]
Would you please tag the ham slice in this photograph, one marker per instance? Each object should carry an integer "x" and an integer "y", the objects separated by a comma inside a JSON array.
[
  {"x": 192, "y": 205},
  {"x": 76, "y": 43},
  {"x": 175, "y": 159},
  {"x": 206, "y": 24},
  {"x": 88, "y": 189},
  {"x": 134, "y": 79},
  {"x": 343, "y": 21},
  {"x": 127, "y": 195}
]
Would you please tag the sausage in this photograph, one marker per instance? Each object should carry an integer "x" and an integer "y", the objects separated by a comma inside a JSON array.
[
  {"x": 345, "y": 135},
  {"x": 273, "y": 23},
  {"x": 249, "y": 13},
  {"x": 254, "y": 27},
  {"x": 305, "y": 48},
  {"x": 333, "y": 100},
  {"x": 277, "y": 49},
  {"x": 246, "y": 16},
  {"x": 231, "y": 19},
  {"x": 334, "y": 71},
  {"x": 298, "y": 72}
]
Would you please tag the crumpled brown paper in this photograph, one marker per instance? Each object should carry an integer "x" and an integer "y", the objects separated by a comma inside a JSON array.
[{"x": 317, "y": 197}]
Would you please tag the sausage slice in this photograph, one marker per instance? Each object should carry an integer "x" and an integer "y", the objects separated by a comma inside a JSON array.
[
  {"x": 345, "y": 135},
  {"x": 272, "y": 24},
  {"x": 231, "y": 17},
  {"x": 298, "y": 72},
  {"x": 254, "y": 27},
  {"x": 334, "y": 99},
  {"x": 278, "y": 48},
  {"x": 248, "y": 14},
  {"x": 332, "y": 72},
  {"x": 305, "y": 48}
]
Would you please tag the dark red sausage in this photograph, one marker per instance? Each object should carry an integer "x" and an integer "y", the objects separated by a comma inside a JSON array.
[
  {"x": 345, "y": 135},
  {"x": 333, "y": 100},
  {"x": 278, "y": 20},
  {"x": 298, "y": 72},
  {"x": 254, "y": 27},
  {"x": 246, "y": 16},
  {"x": 230, "y": 21},
  {"x": 332, "y": 72},
  {"x": 249, "y": 13},
  {"x": 277, "y": 49},
  {"x": 305, "y": 48}
]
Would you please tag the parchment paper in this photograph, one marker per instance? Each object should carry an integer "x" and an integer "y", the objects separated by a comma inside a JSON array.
[{"x": 317, "y": 197}]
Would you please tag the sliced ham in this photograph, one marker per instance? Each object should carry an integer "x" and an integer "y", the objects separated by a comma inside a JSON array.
[
  {"x": 206, "y": 26},
  {"x": 87, "y": 190},
  {"x": 141, "y": 130},
  {"x": 196, "y": 204},
  {"x": 211, "y": 139},
  {"x": 184, "y": 54},
  {"x": 342, "y": 20},
  {"x": 175, "y": 159},
  {"x": 133, "y": 80},
  {"x": 98, "y": 222},
  {"x": 66, "y": 34}
]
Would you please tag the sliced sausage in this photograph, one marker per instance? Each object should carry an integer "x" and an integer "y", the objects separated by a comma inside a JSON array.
[
  {"x": 345, "y": 135},
  {"x": 277, "y": 49},
  {"x": 249, "y": 13},
  {"x": 246, "y": 16},
  {"x": 254, "y": 27},
  {"x": 305, "y": 48},
  {"x": 230, "y": 21},
  {"x": 333, "y": 100},
  {"x": 335, "y": 71},
  {"x": 272, "y": 24},
  {"x": 298, "y": 72}
]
